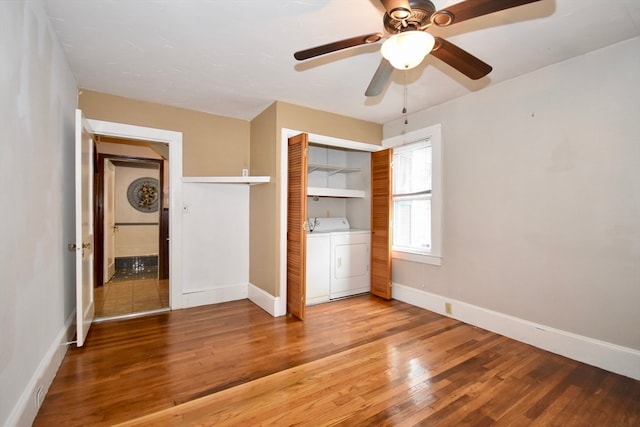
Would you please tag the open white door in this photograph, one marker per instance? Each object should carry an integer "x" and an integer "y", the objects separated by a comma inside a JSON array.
[
  {"x": 84, "y": 228},
  {"x": 109, "y": 221}
]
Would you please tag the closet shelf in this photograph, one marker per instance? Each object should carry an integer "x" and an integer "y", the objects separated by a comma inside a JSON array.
[
  {"x": 331, "y": 169},
  {"x": 334, "y": 192}
]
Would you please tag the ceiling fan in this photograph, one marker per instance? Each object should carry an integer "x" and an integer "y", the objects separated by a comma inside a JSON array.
[{"x": 408, "y": 21}]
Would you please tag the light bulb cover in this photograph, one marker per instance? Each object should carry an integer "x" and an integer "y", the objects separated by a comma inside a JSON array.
[{"x": 406, "y": 50}]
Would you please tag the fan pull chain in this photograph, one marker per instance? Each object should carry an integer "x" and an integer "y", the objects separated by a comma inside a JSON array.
[{"x": 404, "y": 108}]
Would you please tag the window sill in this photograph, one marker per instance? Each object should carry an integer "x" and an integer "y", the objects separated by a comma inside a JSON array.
[{"x": 417, "y": 257}]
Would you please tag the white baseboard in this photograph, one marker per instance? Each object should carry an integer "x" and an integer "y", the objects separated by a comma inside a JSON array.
[
  {"x": 272, "y": 305},
  {"x": 266, "y": 301},
  {"x": 214, "y": 296},
  {"x": 621, "y": 360},
  {"x": 25, "y": 411}
]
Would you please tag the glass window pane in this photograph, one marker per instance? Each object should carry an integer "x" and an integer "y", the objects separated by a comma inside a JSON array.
[
  {"x": 412, "y": 224},
  {"x": 412, "y": 169},
  {"x": 412, "y": 199}
]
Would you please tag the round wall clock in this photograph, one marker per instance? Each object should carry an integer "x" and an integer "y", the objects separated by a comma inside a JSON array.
[{"x": 143, "y": 194}]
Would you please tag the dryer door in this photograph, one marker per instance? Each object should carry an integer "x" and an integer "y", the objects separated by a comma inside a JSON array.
[{"x": 349, "y": 264}]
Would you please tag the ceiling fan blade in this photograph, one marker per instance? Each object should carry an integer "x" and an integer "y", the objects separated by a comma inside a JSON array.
[
  {"x": 380, "y": 78},
  {"x": 335, "y": 46},
  {"x": 471, "y": 9},
  {"x": 460, "y": 59},
  {"x": 397, "y": 9}
]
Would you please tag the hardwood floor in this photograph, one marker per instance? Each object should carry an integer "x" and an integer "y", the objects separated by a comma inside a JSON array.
[{"x": 359, "y": 361}]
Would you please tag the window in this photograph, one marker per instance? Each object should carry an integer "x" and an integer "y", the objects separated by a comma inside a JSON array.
[
  {"x": 416, "y": 195},
  {"x": 412, "y": 197}
]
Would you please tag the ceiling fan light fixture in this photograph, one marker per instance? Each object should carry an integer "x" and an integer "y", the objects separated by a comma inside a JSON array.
[{"x": 406, "y": 50}]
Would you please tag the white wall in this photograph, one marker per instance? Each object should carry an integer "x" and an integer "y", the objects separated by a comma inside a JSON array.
[
  {"x": 37, "y": 297},
  {"x": 215, "y": 266},
  {"x": 542, "y": 197}
]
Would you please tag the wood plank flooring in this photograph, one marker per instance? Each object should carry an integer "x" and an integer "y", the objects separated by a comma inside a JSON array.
[{"x": 356, "y": 362}]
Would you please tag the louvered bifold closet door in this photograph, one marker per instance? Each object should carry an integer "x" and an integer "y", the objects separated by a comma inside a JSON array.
[
  {"x": 296, "y": 218},
  {"x": 381, "y": 199}
]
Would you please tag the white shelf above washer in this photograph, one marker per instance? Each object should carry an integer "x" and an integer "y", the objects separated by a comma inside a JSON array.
[{"x": 334, "y": 192}]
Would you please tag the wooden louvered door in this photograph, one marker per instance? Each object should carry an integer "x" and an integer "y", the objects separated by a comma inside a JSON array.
[
  {"x": 296, "y": 222},
  {"x": 381, "y": 199}
]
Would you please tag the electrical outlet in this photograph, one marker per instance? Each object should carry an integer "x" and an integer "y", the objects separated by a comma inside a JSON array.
[
  {"x": 447, "y": 307},
  {"x": 39, "y": 397}
]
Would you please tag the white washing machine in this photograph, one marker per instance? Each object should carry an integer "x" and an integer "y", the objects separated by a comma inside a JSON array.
[
  {"x": 337, "y": 260},
  {"x": 318, "y": 266}
]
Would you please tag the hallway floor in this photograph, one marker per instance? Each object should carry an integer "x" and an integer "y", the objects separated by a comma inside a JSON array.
[{"x": 118, "y": 298}]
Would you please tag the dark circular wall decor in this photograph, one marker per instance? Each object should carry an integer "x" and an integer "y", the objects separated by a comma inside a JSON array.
[{"x": 143, "y": 194}]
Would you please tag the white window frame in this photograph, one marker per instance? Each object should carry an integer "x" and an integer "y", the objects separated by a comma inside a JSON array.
[{"x": 432, "y": 256}]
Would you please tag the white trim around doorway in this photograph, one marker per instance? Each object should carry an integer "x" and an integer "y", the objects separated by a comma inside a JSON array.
[{"x": 174, "y": 140}]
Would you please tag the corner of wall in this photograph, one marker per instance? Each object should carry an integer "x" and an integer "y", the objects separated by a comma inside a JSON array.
[{"x": 266, "y": 301}]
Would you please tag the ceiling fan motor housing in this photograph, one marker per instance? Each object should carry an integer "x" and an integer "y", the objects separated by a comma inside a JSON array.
[{"x": 421, "y": 11}]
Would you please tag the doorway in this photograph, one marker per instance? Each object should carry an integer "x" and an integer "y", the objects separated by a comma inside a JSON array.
[
  {"x": 132, "y": 224},
  {"x": 174, "y": 140}
]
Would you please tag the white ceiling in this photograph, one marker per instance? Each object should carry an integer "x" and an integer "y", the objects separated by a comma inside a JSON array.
[{"x": 235, "y": 57}]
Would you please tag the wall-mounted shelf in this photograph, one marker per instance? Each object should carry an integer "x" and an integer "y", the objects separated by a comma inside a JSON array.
[{"x": 250, "y": 180}]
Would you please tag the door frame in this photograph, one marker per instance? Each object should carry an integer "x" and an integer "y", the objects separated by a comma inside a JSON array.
[
  {"x": 99, "y": 208},
  {"x": 101, "y": 180},
  {"x": 174, "y": 140}
]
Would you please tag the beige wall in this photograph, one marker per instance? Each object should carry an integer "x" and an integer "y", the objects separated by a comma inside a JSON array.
[
  {"x": 138, "y": 149},
  {"x": 263, "y": 256},
  {"x": 266, "y": 252},
  {"x": 125, "y": 149},
  {"x": 134, "y": 240},
  {"x": 541, "y": 197},
  {"x": 212, "y": 145},
  {"x": 329, "y": 124}
]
